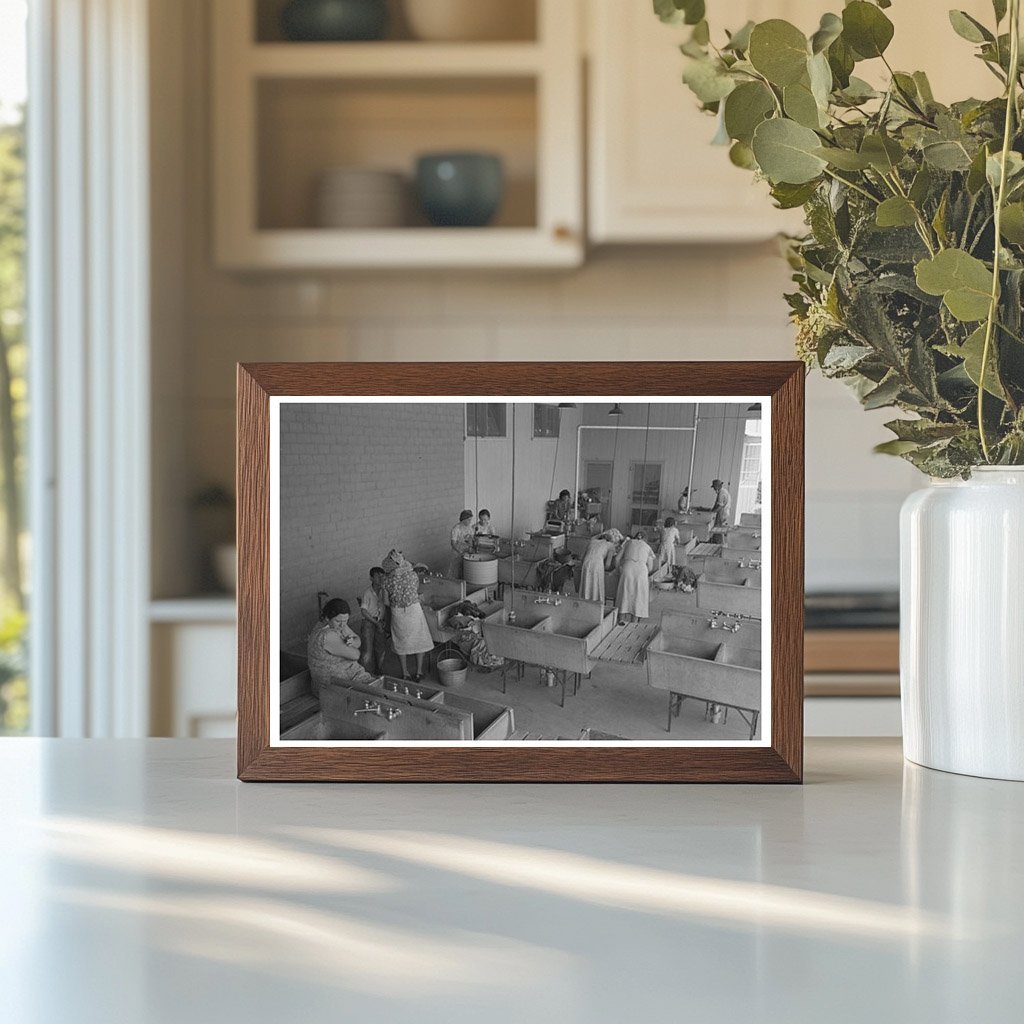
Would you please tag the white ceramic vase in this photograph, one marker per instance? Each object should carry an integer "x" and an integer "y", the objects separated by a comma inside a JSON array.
[{"x": 962, "y": 624}]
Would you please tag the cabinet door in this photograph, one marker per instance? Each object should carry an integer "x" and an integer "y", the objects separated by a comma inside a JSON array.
[{"x": 654, "y": 175}]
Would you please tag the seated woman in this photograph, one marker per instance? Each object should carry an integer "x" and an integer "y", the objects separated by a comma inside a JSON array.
[
  {"x": 333, "y": 648},
  {"x": 409, "y": 631}
]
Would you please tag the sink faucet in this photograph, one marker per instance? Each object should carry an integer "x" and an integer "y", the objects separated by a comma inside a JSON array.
[
  {"x": 729, "y": 624},
  {"x": 543, "y": 600},
  {"x": 374, "y": 707}
]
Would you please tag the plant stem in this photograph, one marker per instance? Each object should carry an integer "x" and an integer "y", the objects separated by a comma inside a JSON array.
[
  {"x": 993, "y": 309},
  {"x": 855, "y": 187}
]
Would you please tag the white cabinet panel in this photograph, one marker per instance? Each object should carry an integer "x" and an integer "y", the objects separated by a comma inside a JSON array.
[
  {"x": 193, "y": 679},
  {"x": 653, "y": 175}
]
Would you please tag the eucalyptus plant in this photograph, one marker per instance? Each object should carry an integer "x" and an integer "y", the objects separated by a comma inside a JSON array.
[{"x": 910, "y": 278}]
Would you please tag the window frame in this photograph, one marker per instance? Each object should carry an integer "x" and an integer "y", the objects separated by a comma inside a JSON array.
[{"x": 503, "y": 406}]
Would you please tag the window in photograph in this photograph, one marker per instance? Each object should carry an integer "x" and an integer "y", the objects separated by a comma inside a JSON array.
[
  {"x": 546, "y": 420},
  {"x": 748, "y": 496},
  {"x": 645, "y": 481},
  {"x": 485, "y": 419}
]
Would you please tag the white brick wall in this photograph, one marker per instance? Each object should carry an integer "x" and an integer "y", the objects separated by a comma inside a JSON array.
[{"x": 357, "y": 481}]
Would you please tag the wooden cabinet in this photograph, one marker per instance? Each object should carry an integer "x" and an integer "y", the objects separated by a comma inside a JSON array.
[{"x": 285, "y": 114}]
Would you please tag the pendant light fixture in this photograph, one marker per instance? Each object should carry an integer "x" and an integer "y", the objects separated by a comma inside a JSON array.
[
  {"x": 616, "y": 410},
  {"x": 566, "y": 405}
]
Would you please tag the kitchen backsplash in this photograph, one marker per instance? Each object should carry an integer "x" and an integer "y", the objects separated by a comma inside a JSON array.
[{"x": 717, "y": 303}]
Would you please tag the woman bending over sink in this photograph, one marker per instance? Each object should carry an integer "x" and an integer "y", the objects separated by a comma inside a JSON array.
[{"x": 333, "y": 648}]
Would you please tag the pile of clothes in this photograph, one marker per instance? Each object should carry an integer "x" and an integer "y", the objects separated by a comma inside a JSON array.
[
  {"x": 465, "y": 623},
  {"x": 683, "y": 578}
]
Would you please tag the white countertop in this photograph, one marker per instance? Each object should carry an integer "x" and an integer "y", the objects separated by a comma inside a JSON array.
[{"x": 142, "y": 884}]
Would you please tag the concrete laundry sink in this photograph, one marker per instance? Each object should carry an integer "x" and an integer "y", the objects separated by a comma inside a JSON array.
[
  {"x": 317, "y": 727},
  {"x": 560, "y": 636},
  {"x": 697, "y": 626},
  {"x": 717, "y": 673},
  {"x": 736, "y": 593}
]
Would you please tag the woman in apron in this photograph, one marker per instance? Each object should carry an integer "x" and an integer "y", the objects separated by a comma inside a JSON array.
[
  {"x": 635, "y": 562},
  {"x": 409, "y": 631}
]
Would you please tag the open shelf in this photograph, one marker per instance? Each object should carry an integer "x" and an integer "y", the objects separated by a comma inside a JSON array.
[
  {"x": 288, "y": 113},
  {"x": 308, "y": 127},
  {"x": 393, "y": 60},
  {"x": 520, "y": 17}
]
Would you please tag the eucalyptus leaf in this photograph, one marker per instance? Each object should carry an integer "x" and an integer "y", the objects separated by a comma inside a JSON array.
[
  {"x": 676, "y": 12},
  {"x": 947, "y": 156},
  {"x": 800, "y": 105},
  {"x": 842, "y": 62},
  {"x": 788, "y": 196},
  {"x": 785, "y": 152},
  {"x": 708, "y": 81},
  {"x": 895, "y": 447},
  {"x": 844, "y": 159},
  {"x": 963, "y": 281},
  {"x": 969, "y": 28},
  {"x": 994, "y": 169},
  {"x": 1012, "y": 224},
  {"x": 866, "y": 29},
  {"x": 895, "y": 212},
  {"x": 829, "y": 30},
  {"x": 820, "y": 76},
  {"x": 883, "y": 153},
  {"x": 972, "y": 352},
  {"x": 779, "y": 51},
  {"x": 745, "y": 108},
  {"x": 739, "y": 41},
  {"x": 741, "y": 155}
]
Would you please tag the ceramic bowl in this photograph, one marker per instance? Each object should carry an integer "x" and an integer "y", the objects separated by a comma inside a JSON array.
[
  {"x": 460, "y": 189},
  {"x": 334, "y": 20},
  {"x": 471, "y": 20}
]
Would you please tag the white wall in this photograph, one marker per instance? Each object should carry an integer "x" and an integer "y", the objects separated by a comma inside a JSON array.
[
  {"x": 544, "y": 466},
  {"x": 706, "y": 302}
]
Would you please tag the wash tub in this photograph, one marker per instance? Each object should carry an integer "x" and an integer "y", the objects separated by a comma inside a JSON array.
[
  {"x": 446, "y": 717},
  {"x": 714, "y": 672},
  {"x": 735, "y": 593},
  {"x": 562, "y": 637},
  {"x": 697, "y": 626}
]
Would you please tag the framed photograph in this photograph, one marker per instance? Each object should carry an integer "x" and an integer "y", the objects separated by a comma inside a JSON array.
[{"x": 557, "y": 572}]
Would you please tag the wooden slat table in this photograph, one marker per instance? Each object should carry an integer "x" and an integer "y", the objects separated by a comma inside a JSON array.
[{"x": 627, "y": 644}]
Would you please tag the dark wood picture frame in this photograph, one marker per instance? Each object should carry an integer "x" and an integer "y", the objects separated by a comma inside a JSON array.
[{"x": 781, "y": 761}]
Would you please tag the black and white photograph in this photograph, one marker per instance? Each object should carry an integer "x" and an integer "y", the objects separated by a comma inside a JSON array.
[{"x": 520, "y": 571}]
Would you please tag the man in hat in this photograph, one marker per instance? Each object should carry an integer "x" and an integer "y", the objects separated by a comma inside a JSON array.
[{"x": 723, "y": 504}]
